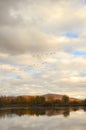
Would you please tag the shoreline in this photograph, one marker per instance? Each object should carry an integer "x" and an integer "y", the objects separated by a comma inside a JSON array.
[{"x": 56, "y": 108}]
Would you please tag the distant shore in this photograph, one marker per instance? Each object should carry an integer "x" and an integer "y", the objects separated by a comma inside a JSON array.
[{"x": 45, "y": 101}]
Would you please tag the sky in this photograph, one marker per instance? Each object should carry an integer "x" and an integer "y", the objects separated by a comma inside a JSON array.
[{"x": 43, "y": 47}]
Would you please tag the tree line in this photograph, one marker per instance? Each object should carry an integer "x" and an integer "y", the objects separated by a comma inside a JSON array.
[{"x": 38, "y": 101}]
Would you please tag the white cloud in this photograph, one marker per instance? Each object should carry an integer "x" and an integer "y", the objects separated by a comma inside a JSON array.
[{"x": 35, "y": 54}]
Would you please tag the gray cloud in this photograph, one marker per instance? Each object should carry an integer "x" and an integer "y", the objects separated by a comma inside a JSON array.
[{"x": 33, "y": 26}]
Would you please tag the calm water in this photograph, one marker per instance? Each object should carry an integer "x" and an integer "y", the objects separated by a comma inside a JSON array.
[{"x": 43, "y": 119}]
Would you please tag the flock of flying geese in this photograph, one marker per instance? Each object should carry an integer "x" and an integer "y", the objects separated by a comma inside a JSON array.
[{"x": 42, "y": 57}]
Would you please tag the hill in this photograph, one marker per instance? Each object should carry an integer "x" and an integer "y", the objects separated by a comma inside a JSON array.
[{"x": 50, "y": 97}]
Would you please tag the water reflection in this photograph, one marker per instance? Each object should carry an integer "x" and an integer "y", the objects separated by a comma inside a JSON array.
[
  {"x": 10, "y": 112},
  {"x": 44, "y": 119}
]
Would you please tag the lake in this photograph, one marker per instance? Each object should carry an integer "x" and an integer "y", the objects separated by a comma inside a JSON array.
[{"x": 43, "y": 119}]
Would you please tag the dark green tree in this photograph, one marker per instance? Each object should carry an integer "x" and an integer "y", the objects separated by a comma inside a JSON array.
[{"x": 65, "y": 99}]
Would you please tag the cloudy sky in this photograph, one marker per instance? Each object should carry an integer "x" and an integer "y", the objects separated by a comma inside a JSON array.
[{"x": 43, "y": 47}]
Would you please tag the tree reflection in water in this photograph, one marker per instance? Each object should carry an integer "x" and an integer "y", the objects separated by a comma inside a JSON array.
[{"x": 38, "y": 111}]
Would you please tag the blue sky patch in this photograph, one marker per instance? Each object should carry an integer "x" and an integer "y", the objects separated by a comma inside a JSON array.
[
  {"x": 71, "y": 35},
  {"x": 80, "y": 53}
]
